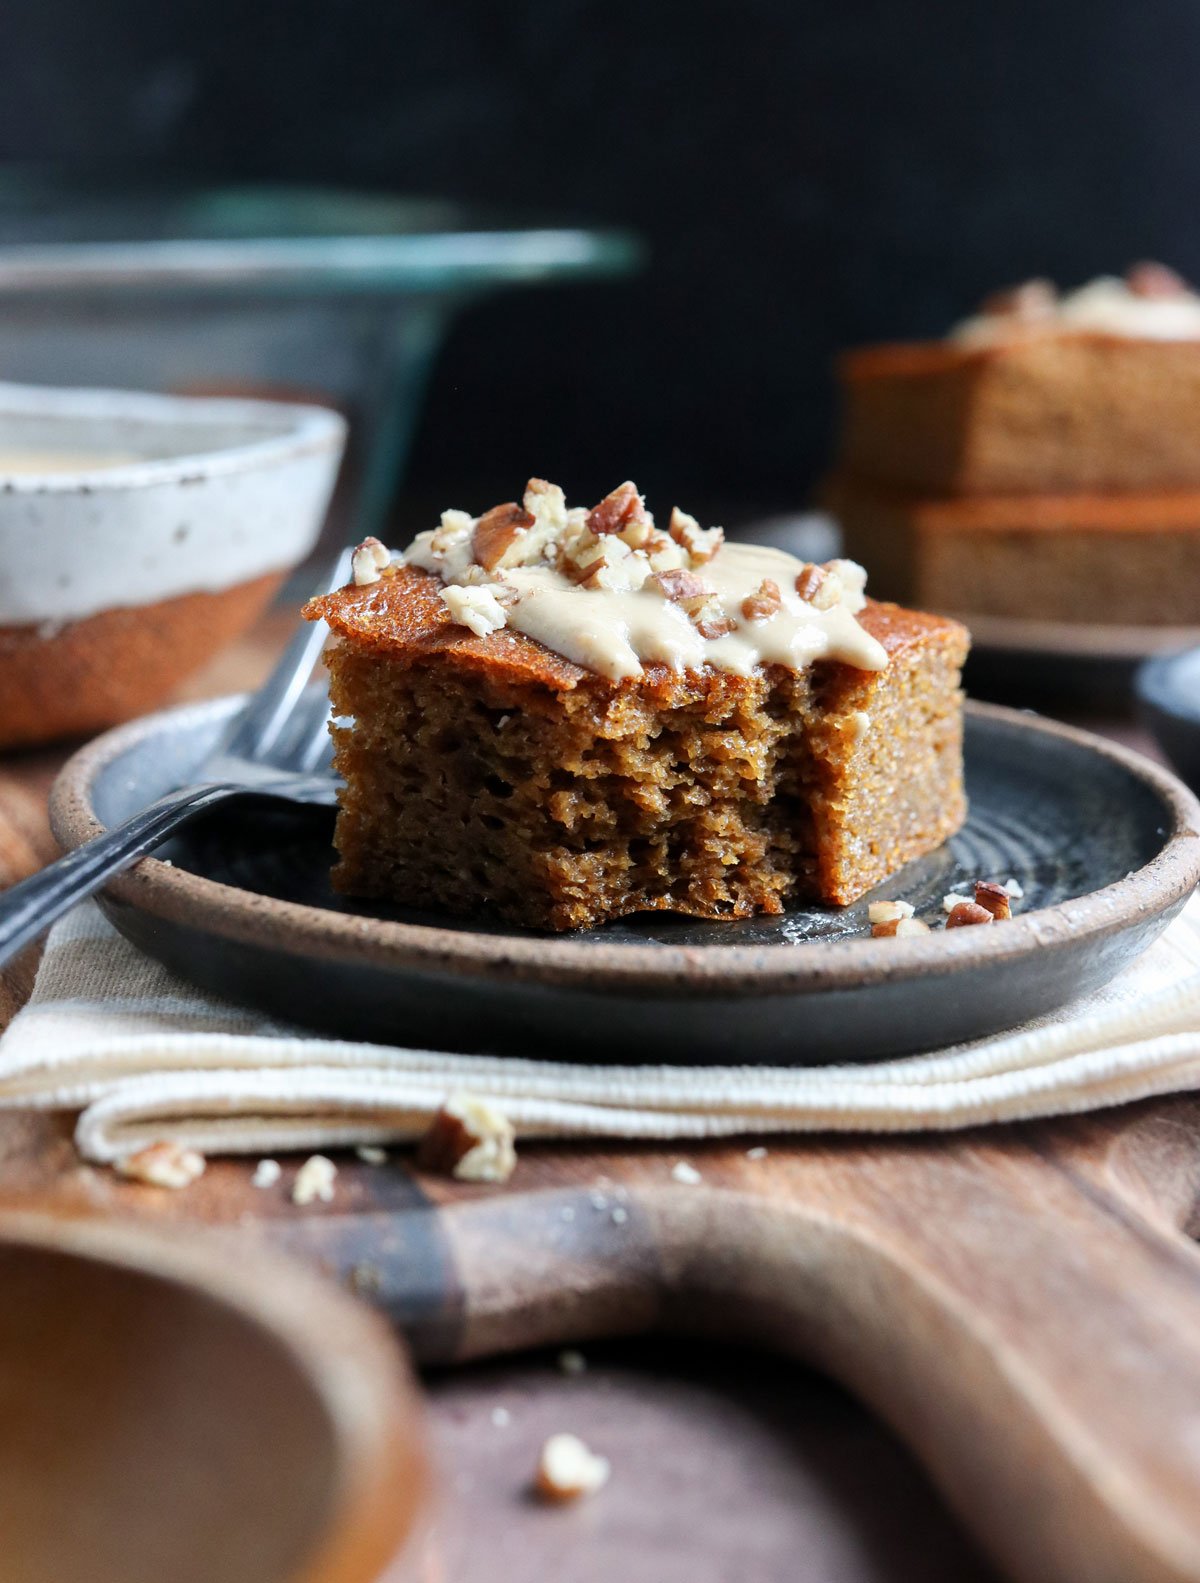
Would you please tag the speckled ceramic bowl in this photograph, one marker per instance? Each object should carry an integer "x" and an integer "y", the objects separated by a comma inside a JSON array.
[{"x": 138, "y": 534}]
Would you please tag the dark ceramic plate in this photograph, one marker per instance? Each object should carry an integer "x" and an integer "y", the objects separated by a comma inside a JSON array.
[
  {"x": 1104, "y": 844},
  {"x": 1169, "y": 702}
]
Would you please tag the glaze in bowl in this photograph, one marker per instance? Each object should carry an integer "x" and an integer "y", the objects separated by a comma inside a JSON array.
[{"x": 138, "y": 534}]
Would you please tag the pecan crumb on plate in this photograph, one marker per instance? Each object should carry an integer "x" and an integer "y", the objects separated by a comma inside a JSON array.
[
  {"x": 567, "y": 1469},
  {"x": 994, "y": 899},
  {"x": 899, "y": 927}
]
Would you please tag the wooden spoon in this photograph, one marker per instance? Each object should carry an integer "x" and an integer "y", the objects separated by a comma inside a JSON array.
[{"x": 168, "y": 1411}]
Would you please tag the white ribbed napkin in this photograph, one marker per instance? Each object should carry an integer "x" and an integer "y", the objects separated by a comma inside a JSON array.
[{"x": 143, "y": 1055}]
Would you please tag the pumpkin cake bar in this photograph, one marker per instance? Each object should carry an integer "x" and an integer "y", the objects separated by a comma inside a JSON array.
[
  {"x": 1038, "y": 464},
  {"x": 1131, "y": 559},
  {"x": 1039, "y": 393},
  {"x": 558, "y": 717}
]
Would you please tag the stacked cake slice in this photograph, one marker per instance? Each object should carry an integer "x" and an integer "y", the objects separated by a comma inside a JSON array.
[{"x": 1042, "y": 462}]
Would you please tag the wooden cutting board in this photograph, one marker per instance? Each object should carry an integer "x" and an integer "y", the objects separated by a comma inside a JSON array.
[{"x": 1022, "y": 1305}]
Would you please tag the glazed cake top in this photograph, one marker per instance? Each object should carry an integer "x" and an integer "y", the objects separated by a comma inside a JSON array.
[
  {"x": 610, "y": 591},
  {"x": 1151, "y": 303},
  {"x": 404, "y": 617}
]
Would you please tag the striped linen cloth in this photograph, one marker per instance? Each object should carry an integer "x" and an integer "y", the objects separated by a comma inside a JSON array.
[{"x": 142, "y": 1055}]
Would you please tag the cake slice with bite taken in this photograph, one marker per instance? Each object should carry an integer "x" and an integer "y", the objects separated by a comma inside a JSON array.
[{"x": 555, "y": 717}]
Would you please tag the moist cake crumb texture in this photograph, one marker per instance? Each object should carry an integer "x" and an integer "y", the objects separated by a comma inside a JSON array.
[{"x": 487, "y": 774}]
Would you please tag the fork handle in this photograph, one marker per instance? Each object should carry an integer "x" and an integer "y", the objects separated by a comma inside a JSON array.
[{"x": 28, "y": 909}]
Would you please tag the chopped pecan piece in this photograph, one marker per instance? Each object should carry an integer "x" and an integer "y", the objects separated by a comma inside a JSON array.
[
  {"x": 610, "y": 565},
  {"x": 899, "y": 926},
  {"x": 266, "y": 1173},
  {"x": 809, "y": 580},
  {"x": 710, "y": 620},
  {"x": 455, "y": 527},
  {"x": 575, "y": 555},
  {"x": 712, "y": 628},
  {"x": 568, "y": 1469},
  {"x": 1155, "y": 280},
  {"x": 664, "y": 554},
  {"x": 849, "y": 580},
  {"x": 613, "y": 578},
  {"x": 967, "y": 912},
  {"x": 765, "y": 602},
  {"x": 497, "y": 531},
  {"x": 700, "y": 543},
  {"x": 163, "y": 1164},
  {"x": 617, "y": 510},
  {"x": 819, "y": 586},
  {"x": 547, "y": 506},
  {"x": 681, "y": 587},
  {"x": 889, "y": 911},
  {"x": 368, "y": 561},
  {"x": 314, "y": 1181},
  {"x": 830, "y": 593},
  {"x": 541, "y": 497},
  {"x": 994, "y": 899},
  {"x": 469, "y": 1139},
  {"x": 477, "y": 609}
]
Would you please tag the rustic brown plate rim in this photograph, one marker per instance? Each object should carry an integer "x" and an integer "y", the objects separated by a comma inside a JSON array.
[{"x": 175, "y": 895}]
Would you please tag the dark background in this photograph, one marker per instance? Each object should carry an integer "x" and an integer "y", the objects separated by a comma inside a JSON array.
[{"x": 808, "y": 175}]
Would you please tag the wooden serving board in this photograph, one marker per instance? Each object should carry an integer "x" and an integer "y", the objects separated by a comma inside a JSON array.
[{"x": 1022, "y": 1305}]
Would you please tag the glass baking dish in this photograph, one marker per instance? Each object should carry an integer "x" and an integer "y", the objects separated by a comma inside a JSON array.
[{"x": 305, "y": 293}]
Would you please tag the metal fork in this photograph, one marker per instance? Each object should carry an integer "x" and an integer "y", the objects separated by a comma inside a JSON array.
[{"x": 272, "y": 748}]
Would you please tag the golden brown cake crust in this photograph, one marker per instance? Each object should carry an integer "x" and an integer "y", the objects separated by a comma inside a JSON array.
[{"x": 404, "y": 616}]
